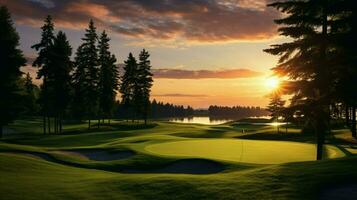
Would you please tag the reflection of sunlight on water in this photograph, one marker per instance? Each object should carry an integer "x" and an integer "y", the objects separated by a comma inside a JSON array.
[
  {"x": 277, "y": 123},
  {"x": 200, "y": 120}
]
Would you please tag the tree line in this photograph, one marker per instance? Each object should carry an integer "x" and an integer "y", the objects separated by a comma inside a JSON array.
[
  {"x": 82, "y": 89},
  {"x": 238, "y": 112},
  {"x": 318, "y": 63},
  {"x": 157, "y": 110}
]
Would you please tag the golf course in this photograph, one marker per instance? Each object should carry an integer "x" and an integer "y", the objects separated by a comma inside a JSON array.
[{"x": 166, "y": 160}]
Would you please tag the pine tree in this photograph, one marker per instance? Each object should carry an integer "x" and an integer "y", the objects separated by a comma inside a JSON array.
[
  {"x": 42, "y": 62},
  {"x": 60, "y": 77},
  {"x": 11, "y": 59},
  {"x": 128, "y": 80},
  {"x": 144, "y": 84},
  {"x": 86, "y": 75},
  {"x": 276, "y": 107},
  {"x": 108, "y": 77},
  {"x": 30, "y": 99},
  {"x": 305, "y": 61},
  {"x": 345, "y": 30}
]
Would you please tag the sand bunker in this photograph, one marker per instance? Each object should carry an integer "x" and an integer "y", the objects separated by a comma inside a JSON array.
[
  {"x": 185, "y": 166},
  {"x": 103, "y": 155}
]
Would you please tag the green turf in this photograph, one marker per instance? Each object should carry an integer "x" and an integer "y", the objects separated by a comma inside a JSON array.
[
  {"x": 246, "y": 176},
  {"x": 246, "y": 151}
]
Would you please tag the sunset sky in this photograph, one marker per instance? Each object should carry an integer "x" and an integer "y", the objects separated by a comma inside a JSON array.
[{"x": 203, "y": 52}]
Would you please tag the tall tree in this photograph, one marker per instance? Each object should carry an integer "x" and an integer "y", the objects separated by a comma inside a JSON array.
[
  {"x": 86, "y": 74},
  {"x": 144, "y": 84},
  {"x": 305, "y": 60},
  {"x": 60, "y": 77},
  {"x": 108, "y": 77},
  {"x": 11, "y": 59},
  {"x": 344, "y": 29},
  {"x": 276, "y": 107},
  {"x": 128, "y": 80},
  {"x": 31, "y": 94},
  {"x": 42, "y": 62}
]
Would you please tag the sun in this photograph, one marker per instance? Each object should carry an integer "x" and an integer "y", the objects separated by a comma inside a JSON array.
[{"x": 272, "y": 83}]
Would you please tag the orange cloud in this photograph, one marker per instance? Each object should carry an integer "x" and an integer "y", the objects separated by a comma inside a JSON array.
[
  {"x": 92, "y": 9},
  {"x": 201, "y": 74}
]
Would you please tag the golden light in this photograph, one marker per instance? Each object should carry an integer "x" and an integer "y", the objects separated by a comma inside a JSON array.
[{"x": 272, "y": 83}]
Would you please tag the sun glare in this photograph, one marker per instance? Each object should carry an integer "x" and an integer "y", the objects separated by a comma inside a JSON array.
[{"x": 272, "y": 83}]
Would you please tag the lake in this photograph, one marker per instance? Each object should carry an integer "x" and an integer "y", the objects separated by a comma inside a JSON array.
[
  {"x": 201, "y": 120},
  {"x": 214, "y": 121}
]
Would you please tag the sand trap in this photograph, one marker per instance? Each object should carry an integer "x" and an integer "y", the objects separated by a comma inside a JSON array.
[
  {"x": 345, "y": 192},
  {"x": 247, "y": 151},
  {"x": 185, "y": 166},
  {"x": 102, "y": 155}
]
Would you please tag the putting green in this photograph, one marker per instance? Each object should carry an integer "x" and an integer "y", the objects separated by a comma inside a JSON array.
[{"x": 247, "y": 151}]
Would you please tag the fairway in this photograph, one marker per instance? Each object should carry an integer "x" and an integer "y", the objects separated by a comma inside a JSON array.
[{"x": 246, "y": 151}]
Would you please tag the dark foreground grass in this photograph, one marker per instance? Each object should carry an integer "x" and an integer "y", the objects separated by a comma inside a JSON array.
[
  {"x": 71, "y": 176},
  {"x": 24, "y": 177}
]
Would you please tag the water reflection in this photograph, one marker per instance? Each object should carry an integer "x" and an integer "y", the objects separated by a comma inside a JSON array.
[{"x": 201, "y": 120}]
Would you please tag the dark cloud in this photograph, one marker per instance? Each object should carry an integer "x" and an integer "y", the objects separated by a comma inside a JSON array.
[
  {"x": 201, "y": 74},
  {"x": 198, "y": 20}
]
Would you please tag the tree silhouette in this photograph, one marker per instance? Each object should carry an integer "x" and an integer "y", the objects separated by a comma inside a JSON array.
[
  {"x": 31, "y": 95},
  {"x": 143, "y": 84},
  {"x": 108, "y": 77},
  {"x": 276, "y": 107},
  {"x": 306, "y": 59},
  {"x": 60, "y": 78},
  {"x": 11, "y": 59},
  {"x": 345, "y": 30},
  {"x": 42, "y": 62},
  {"x": 86, "y": 75},
  {"x": 128, "y": 81}
]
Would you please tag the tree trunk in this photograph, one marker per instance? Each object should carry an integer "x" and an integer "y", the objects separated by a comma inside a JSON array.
[
  {"x": 353, "y": 124},
  {"x": 55, "y": 124},
  {"x": 49, "y": 125},
  {"x": 60, "y": 125},
  {"x": 347, "y": 116},
  {"x": 98, "y": 123},
  {"x": 88, "y": 123},
  {"x": 44, "y": 124},
  {"x": 320, "y": 145},
  {"x": 1, "y": 131}
]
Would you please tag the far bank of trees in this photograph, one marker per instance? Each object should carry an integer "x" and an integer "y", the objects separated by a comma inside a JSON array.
[
  {"x": 237, "y": 112},
  {"x": 157, "y": 110}
]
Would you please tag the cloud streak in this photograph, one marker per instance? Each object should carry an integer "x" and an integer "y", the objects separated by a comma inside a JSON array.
[
  {"x": 191, "y": 20},
  {"x": 179, "y": 95},
  {"x": 204, "y": 74}
]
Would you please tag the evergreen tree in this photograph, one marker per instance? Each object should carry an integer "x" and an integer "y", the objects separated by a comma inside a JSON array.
[
  {"x": 11, "y": 59},
  {"x": 31, "y": 93},
  {"x": 144, "y": 84},
  {"x": 60, "y": 77},
  {"x": 306, "y": 60},
  {"x": 42, "y": 62},
  {"x": 86, "y": 75},
  {"x": 108, "y": 77},
  {"x": 276, "y": 107},
  {"x": 128, "y": 80},
  {"x": 345, "y": 30}
]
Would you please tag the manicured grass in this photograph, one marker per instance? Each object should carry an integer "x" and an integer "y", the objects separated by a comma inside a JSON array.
[
  {"x": 246, "y": 151},
  {"x": 60, "y": 174}
]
